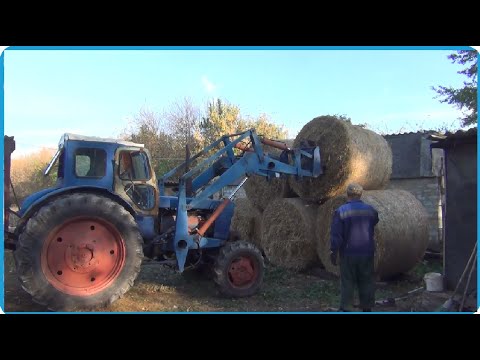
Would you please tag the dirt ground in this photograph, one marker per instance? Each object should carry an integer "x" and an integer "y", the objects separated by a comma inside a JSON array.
[{"x": 161, "y": 289}]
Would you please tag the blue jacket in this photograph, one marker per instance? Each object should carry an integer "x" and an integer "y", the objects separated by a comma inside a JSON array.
[{"x": 352, "y": 229}]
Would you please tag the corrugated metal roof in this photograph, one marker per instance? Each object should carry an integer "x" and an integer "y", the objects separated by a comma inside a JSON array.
[
  {"x": 459, "y": 137},
  {"x": 426, "y": 132}
]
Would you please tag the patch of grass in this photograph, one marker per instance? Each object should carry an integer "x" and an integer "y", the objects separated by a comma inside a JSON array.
[
  {"x": 277, "y": 275},
  {"x": 386, "y": 293},
  {"x": 161, "y": 289},
  {"x": 280, "y": 293},
  {"x": 323, "y": 290},
  {"x": 287, "y": 289},
  {"x": 281, "y": 285},
  {"x": 151, "y": 288},
  {"x": 427, "y": 266}
]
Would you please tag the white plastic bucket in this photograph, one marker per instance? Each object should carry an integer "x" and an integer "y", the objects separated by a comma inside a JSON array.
[{"x": 434, "y": 281}]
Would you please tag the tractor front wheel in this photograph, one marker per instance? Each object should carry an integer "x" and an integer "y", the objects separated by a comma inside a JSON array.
[
  {"x": 239, "y": 269},
  {"x": 78, "y": 252}
]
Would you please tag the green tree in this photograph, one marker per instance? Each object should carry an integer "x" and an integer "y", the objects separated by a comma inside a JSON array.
[
  {"x": 265, "y": 127},
  {"x": 183, "y": 119},
  {"x": 464, "y": 98},
  {"x": 166, "y": 134},
  {"x": 150, "y": 128},
  {"x": 221, "y": 119}
]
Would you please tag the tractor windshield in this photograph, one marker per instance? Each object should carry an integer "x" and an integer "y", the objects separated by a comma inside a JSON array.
[{"x": 134, "y": 165}]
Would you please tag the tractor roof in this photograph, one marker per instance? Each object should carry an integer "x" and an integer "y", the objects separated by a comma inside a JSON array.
[{"x": 70, "y": 136}]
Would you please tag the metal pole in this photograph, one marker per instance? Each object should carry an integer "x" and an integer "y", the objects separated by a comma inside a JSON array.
[
  {"x": 472, "y": 255},
  {"x": 236, "y": 189},
  {"x": 467, "y": 284}
]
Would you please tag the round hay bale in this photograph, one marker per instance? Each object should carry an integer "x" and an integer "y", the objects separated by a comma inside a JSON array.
[
  {"x": 288, "y": 237},
  {"x": 261, "y": 191},
  {"x": 247, "y": 221},
  {"x": 401, "y": 235},
  {"x": 348, "y": 153}
]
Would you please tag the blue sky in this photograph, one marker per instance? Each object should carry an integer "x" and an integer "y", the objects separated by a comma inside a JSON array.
[{"x": 96, "y": 92}]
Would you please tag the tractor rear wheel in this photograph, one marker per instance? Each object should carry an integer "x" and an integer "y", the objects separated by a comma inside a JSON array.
[
  {"x": 79, "y": 252},
  {"x": 239, "y": 269}
]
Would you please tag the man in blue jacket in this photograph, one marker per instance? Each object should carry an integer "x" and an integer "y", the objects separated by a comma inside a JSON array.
[{"x": 351, "y": 235}]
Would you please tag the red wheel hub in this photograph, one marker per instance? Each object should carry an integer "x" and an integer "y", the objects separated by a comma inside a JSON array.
[
  {"x": 83, "y": 256},
  {"x": 242, "y": 272}
]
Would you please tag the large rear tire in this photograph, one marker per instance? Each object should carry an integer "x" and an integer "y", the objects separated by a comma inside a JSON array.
[
  {"x": 79, "y": 252},
  {"x": 239, "y": 269}
]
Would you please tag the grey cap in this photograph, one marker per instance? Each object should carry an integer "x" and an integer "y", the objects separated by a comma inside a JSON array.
[{"x": 354, "y": 189}]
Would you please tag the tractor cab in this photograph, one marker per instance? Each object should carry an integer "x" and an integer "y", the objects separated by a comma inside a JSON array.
[{"x": 120, "y": 168}]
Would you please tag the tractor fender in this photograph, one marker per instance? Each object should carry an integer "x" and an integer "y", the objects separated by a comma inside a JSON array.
[{"x": 30, "y": 207}]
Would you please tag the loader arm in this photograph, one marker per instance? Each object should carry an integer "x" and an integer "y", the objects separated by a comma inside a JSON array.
[{"x": 228, "y": 168}]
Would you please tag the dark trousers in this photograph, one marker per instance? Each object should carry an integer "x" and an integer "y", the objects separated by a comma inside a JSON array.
[{"x": 357, "y": 271}]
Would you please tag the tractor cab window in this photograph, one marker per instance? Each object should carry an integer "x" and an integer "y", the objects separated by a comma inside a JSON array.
[
  {"x": 134, "y": 166},
  {"x": 142, "y": 195},
  {"x": 90, "y": 162}
]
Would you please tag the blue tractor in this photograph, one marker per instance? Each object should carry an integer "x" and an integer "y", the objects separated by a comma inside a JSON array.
[{"x": 80, "y": 244}]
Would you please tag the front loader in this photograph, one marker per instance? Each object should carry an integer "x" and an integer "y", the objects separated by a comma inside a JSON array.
[{"x": 80, "y": 244}]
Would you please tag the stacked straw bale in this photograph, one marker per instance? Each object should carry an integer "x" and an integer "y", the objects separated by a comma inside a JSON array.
[
  {"x": 261, "y": 191},
  {"x": 247, "y": 221},
  {"x": 348, "y": 154},
  {"x": 288, "y": 237},
  {"x": 401, "y": 235},
  {"x": 294, "y": 230}
]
